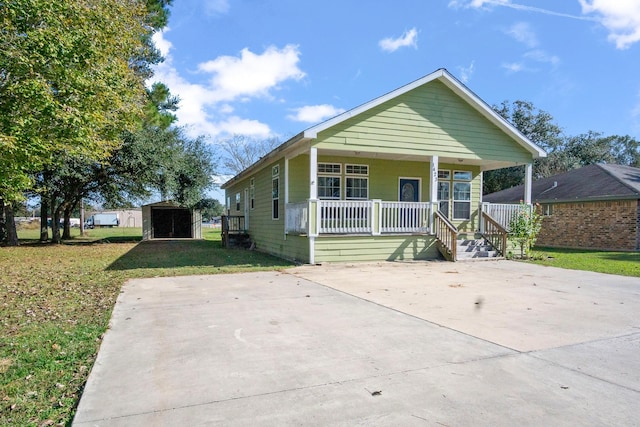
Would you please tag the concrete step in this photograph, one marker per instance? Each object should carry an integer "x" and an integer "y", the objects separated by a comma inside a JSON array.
[{"x": 475, "y": 249}]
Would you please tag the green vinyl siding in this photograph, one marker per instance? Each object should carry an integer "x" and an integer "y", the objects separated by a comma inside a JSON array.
[
  {"x": 267, "y": 233},
  {"x": 429, "y": 120},
  {"x": 298, "y": 179},
  {"x": 375, "y": 248}
]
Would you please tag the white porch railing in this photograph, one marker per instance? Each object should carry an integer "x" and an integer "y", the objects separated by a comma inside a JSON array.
[
  {"x": 502, "y": 213},
  {"x": 357, "y": 217},
  {"x": 405, "y": 217},
  {"x": 345, "y": 216}
]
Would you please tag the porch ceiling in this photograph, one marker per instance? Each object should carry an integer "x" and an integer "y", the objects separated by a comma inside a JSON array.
[{"x": 484, "y": 164}]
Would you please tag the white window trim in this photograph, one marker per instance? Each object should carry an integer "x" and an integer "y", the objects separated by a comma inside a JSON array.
[
  {"x": 366, "y": 178},
  {"x": 454, "y": 200},
  {"x": 330, "y": 175},
  {"x": 252, "y": 193},
  {"x": 346, "y": 165},
  {"x": 275, "y": 175}
]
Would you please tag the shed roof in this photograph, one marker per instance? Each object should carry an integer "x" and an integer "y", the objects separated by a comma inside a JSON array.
[
  {"x": 593, "y": 182},
  {"x": 441, "y": 75}
]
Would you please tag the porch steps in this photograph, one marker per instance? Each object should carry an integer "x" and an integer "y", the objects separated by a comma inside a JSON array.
[
  {"x": 237, "y": 240},
  {"x": 476, "y": 249}
]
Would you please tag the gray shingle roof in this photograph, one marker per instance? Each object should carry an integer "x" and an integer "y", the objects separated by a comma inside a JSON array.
[{"x": 593, "y": 182}]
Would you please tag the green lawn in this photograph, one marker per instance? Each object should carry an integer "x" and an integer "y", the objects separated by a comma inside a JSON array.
[
  {"x": 621, "y": 263},
  {"x": 56, "y": 302}
]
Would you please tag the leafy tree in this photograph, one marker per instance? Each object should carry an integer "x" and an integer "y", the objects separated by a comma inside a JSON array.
[
  {"x": 71, "y": 80},
  {"x": 210, "y": 208},
  {"x": 540, "y": 128}
]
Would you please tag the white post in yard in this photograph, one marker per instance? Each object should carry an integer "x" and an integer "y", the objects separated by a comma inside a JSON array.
[
  {"x": 527, "y": 183},
  {"x": 433, "y": 190}
]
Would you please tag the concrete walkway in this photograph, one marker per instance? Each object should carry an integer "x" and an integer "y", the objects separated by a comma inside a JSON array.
[{"x": 493, "y": 343}]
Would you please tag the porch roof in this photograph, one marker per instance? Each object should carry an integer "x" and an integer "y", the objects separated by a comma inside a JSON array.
[{"x": 302, "y": 141}]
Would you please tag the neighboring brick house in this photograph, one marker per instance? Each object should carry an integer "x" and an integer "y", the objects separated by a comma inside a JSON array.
[{"x": 594, "y": 207}]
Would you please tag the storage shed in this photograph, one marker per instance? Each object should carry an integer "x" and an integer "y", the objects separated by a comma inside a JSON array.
[{"x": 169, "y": 220}]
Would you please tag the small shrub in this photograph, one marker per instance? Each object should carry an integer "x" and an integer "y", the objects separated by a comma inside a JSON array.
[{"x": 524, "y": 228}]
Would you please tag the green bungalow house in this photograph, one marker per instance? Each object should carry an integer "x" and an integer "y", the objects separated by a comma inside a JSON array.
[{"x": 397, "y": 178}]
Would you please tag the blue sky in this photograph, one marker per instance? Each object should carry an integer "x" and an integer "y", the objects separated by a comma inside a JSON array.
[{"x": 273, "y": 68}]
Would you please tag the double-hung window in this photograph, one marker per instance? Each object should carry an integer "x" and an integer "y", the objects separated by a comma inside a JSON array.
[
  {"x": 252, "y": 192},
  {"x": 329, "y": 175},
  {"x": 275, "y": 192},
  {"x": 444, "y": 191},
  {"x": 462, "y": 194},
  {"x": 357, "y": 182},
  {"x": 454, "y": 194}
]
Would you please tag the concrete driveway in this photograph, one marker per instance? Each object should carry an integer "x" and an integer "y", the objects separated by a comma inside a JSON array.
[{"x": 490, "y": 343}]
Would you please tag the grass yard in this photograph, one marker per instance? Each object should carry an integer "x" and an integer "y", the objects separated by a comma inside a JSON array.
[
  {"x": 57, "y": 301},
  {"x": 621, "y": 263}
]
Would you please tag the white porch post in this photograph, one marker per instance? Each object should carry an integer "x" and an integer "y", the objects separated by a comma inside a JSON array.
[
  {"x": 313, "y": 173},
  {"x": 527, "y": 183},
  {"x": 433, "y": 190},
  {"x": 286, "y": 193},
  {"x": 313, "y": 198}
]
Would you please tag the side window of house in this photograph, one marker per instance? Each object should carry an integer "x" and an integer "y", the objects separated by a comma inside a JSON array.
[
  {"x": 357, "y": 182},
  {"x": 444, "y": 191},
  {"x": 275, "y": 192},
  {"x": 462, "y": 194},
  {"x": 252, "y": 192},
  {"x": 237, "y": 201},
  {"x": 547, "y": 210},
  {"x": 329, "y": 175},
  {"x": 228, "y": 206}
]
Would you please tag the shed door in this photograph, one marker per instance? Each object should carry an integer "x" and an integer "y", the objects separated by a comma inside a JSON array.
[{"x": 171, "y": 223}]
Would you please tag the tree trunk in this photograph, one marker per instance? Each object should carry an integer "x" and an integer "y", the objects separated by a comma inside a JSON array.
[
  {"x": 55, "y": 222},
  {"x": 66, "y": 230},
  {"x": 44, "y": 214},
  {"x": 10, "y": 223}
]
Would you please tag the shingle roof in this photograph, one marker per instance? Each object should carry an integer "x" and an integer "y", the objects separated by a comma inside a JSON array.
[{"x": 593, "y": 182}]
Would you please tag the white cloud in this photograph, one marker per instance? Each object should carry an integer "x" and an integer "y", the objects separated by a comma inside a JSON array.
[
  {"x": 478, "y": 4},
  {"x": 466, "y": 72},
  {"x": 513, "y": 67},
  {"x": 216, "y": 7},
  {"x": 540, "y": 55},
  {"x": 162, "y": 44},
  {"x": 457, "y": 4},
  {"x": 238, "y": 126},
  {"x": 206, "y": 108},
  {"x": 523, "y": 33},
  {"x": 408, "y": 38},
  {"x": 620, "y": 17},
  {"x": 315, "y": 113},
  {"x": 252, "y": 75}
]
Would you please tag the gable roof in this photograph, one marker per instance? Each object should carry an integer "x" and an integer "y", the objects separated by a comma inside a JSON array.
[
  {"x": 441, "y": 75},
  {"x": 588, "y": 183}
]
